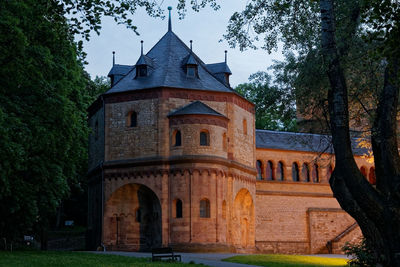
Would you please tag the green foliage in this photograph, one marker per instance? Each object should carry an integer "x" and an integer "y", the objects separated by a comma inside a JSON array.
[
  {"x": 361, "y": 254},
  {"x": 274, "y": 105},
  {"x": 43, "y": 145},
  {"x": 77, "y": 259},
  {"x": 276, "y": 260}
]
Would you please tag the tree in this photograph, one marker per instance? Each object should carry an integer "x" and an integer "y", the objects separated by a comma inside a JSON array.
[
  {"x": 334, "y": 30},
  {"x": 275, "y": 109},
  {"x": 42, "y": 116}
]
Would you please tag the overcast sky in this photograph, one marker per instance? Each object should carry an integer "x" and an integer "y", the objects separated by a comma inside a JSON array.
[{"x": 204, "y": 28}]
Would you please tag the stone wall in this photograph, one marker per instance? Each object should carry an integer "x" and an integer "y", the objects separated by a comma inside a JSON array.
[{"x": 96, "y": 139}]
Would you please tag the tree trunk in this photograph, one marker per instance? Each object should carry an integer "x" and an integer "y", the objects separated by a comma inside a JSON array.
[{"x": 376, "y": 211}]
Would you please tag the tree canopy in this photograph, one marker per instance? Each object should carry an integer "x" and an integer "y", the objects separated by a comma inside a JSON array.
[{"x": 347, "y": 54}]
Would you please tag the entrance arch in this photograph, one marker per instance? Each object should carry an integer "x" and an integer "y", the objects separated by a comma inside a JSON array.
[
  {"x": 243, "y": 220},
  {"x": 132, "y": 219}
]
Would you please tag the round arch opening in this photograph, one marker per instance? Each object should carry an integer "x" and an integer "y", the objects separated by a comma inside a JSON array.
[{"x": 132, "y": 219}]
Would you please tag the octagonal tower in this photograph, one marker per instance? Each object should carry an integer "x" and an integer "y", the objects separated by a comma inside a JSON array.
[{"x": 171, "y": 157}]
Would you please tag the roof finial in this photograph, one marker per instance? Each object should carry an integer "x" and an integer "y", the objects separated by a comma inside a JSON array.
[
  {"x": 113, "y": 52},
  {"x": 191, "y": 41},
  {"x": 169, "y": 19},
  {"x": 141, "y": 47},
  {"x": 226, "y": 54}
]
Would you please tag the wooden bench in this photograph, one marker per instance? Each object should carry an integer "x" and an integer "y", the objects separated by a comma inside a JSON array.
[{"x": 167, "y": 252}]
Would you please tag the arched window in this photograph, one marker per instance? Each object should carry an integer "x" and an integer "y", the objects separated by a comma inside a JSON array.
[
  {"x": 372, "y": 177},
  {"x": 132, "y": 119},
  {"x": 177, "y": 138},
  {"x": 259, "y": 169},
  {"x": 178, "y": 208},
  {"x": 295, "y": 172},
  {"x": 224, "y": 209},
  {"x": 244, "y": 126},
  {"x": 224, "y": 142},
  {"x": 269, "y": 171},
  {"x": 279, "y": 171},
  {"x": 204, "y": 138},
  {"x": 315, "y": 174},
  {"x": 305, "y": 172},
  {"x": 204, "y": 208},
  {"x": 363, "y": 171}
]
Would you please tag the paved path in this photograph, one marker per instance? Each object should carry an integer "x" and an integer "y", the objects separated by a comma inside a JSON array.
[{"x": 210, "y": 259}]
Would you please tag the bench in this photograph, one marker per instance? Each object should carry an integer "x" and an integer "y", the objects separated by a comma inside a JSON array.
[{"x": 167, "y": 252}]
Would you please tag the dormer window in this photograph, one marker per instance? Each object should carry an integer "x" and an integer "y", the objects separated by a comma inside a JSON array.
[
  {"x": 141, "y": 71},
  {"x": 191, "y": 71}
]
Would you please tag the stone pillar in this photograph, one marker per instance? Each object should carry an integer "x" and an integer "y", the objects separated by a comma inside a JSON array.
[{"x": 288, "y": 173}]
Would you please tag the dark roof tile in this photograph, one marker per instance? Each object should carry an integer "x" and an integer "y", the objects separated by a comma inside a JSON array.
[{"x": 196, "y": 107}]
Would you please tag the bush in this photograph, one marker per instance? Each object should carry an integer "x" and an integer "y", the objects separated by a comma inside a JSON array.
[{"x": 361, "y": 254}]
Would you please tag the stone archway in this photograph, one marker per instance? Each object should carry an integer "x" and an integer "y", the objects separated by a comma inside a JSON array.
[
  {"x": 132, "y": 219},
  {"x": 243, "y": 220}
]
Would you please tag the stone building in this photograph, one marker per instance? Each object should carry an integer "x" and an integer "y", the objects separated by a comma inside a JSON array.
[{"x": 175, "y": 160}]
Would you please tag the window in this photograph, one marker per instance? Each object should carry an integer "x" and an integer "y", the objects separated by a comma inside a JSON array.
[
  {"x": 295, "y": 172},
  {"x": 204, "y": 208},
  {"x": 279, "y": 171},
  {"x": 204, "y": 138},
  {"x": 372, "y": 177},
  {"x": 305, "y": 172},
  {"x": 315, "y": 174},
  {"x": 244, "y": 126},
  {"x": 178, "y": 208},
  {"x": 132, "y": 119},
  {"x": 269, "y": 171},
  {"x": 259, "y": 169},
  {"x": 177, "y": 138},
  {"x": 224, "y": 142},
  {"x": 141, "y": 71},
  {"x": 191, "y": 71}
]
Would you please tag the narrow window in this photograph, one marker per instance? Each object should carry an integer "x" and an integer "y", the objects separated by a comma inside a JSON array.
[
  {"x": 295, "y": 172},
  {"x": 224, "y": 143},
  {"x": 204, "y": 138},
  {"x": 372, "y": 177},
  {"x": 133, "y": 119},
  {"x": 305, "y": 172},
  {"x": 269, "y": 174},
  {"x": 244, "y": 126},
  {"x": 315, "y": 174},
  {"x": 142, "y": 70},
  {"x": 178, "y": 208},
  {"x": 178, "y": 138},
  {"x": 259, "y": 169},
  {"x": 204, "y": 208},
  {"x": 279, "y": 171}
]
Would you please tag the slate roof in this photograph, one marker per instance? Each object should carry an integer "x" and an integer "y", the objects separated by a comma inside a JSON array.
[
  {"x": 197, "y": 108},
  {"x": 300, "y": 142},
  {"x": 118, "y": 69},
  {"x": 168, "y": 58},
  {"x": 219, "y": 68},
  {"x": 144, "y": 60}
]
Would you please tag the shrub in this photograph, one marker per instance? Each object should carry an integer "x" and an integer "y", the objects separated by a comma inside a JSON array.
[{"x": 361, "y": 255}]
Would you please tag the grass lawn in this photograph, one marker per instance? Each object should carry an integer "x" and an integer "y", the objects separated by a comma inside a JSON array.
[
  {"x": 74, "y": 259},
  {"x": 276, "y": 260}
]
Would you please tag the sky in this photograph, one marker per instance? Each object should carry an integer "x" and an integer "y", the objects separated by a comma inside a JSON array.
[{"x": 205, "y": 28}]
